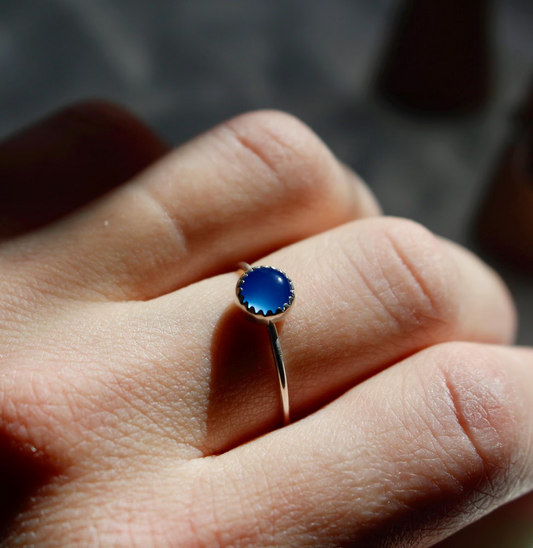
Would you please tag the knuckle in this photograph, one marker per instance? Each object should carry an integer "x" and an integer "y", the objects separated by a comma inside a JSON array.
[
  {"x": 291, "y": 155},
  {"x": 478, "y": 395},
  {"x": 409, "y": 273}
]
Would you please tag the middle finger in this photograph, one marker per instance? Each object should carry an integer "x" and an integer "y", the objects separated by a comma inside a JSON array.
[{"x": 251, "y": 185}]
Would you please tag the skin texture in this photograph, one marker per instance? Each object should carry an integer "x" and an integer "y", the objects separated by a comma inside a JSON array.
[{"x": 139, "y": 408}]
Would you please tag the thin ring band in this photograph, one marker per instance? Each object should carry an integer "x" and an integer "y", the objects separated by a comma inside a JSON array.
[
  {"x": 282, "y": 374},
  {"x": 266, "y": 295}
]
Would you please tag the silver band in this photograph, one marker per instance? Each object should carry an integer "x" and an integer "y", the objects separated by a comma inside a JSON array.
[{"x": 282, "y": 374}]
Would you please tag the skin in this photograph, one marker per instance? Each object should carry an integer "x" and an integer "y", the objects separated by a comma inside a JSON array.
[{"x": 139, "y": 408}]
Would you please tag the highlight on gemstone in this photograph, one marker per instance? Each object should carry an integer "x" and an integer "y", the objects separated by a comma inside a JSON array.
[{"x": 265, "y": 291}]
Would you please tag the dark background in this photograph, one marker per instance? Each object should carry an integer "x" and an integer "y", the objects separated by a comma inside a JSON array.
[{"x": 184, "y": 66}]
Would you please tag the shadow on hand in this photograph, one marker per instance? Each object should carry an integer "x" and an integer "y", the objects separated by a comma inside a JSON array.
[{"x": 244, "y": 393}]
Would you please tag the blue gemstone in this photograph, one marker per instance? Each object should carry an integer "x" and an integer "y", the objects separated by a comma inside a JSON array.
[{"x": 266, "y": 290}]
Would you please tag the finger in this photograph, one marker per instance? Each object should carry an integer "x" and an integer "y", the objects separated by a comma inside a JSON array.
[
  {"x": 368, "y": 294},
  {"x": 254, "y": 184},
  {"x": 199, "y": 374},
  {"x": 490, "y": 296},
  {"x": 69, "y": 159},
  {"x": 406, "y": 458}
]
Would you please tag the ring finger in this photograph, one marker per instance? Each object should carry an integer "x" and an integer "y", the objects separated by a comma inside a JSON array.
[{"x": 369, "y": 294}]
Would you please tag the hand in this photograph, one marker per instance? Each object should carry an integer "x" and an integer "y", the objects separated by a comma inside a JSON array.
[{"x": 139, "y": 408}]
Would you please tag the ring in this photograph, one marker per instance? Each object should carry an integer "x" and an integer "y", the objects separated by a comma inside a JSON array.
[{"x": 266, "y": 295}]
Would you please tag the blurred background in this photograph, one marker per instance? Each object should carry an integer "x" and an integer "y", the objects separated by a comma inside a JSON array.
[{"x": 423, "y": 111}]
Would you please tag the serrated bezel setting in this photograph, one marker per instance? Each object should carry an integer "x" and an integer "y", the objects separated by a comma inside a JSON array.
[{"x": 260, "y": 316}]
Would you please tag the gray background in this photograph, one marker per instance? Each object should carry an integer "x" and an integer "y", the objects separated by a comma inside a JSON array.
[{"x": 186, "y": 65}]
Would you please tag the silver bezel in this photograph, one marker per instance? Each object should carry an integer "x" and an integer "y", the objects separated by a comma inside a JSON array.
[{"x": 259, "y": 317}]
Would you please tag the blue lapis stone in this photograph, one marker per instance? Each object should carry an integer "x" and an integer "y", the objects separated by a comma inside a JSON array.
[{"x": 265, "y": 290}]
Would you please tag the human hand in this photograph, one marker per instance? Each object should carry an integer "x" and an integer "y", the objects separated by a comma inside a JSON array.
[{"x": 139, "y": 408}]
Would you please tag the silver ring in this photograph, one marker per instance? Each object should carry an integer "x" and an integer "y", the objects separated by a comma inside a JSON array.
[{"x": 266, "y": 294}]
